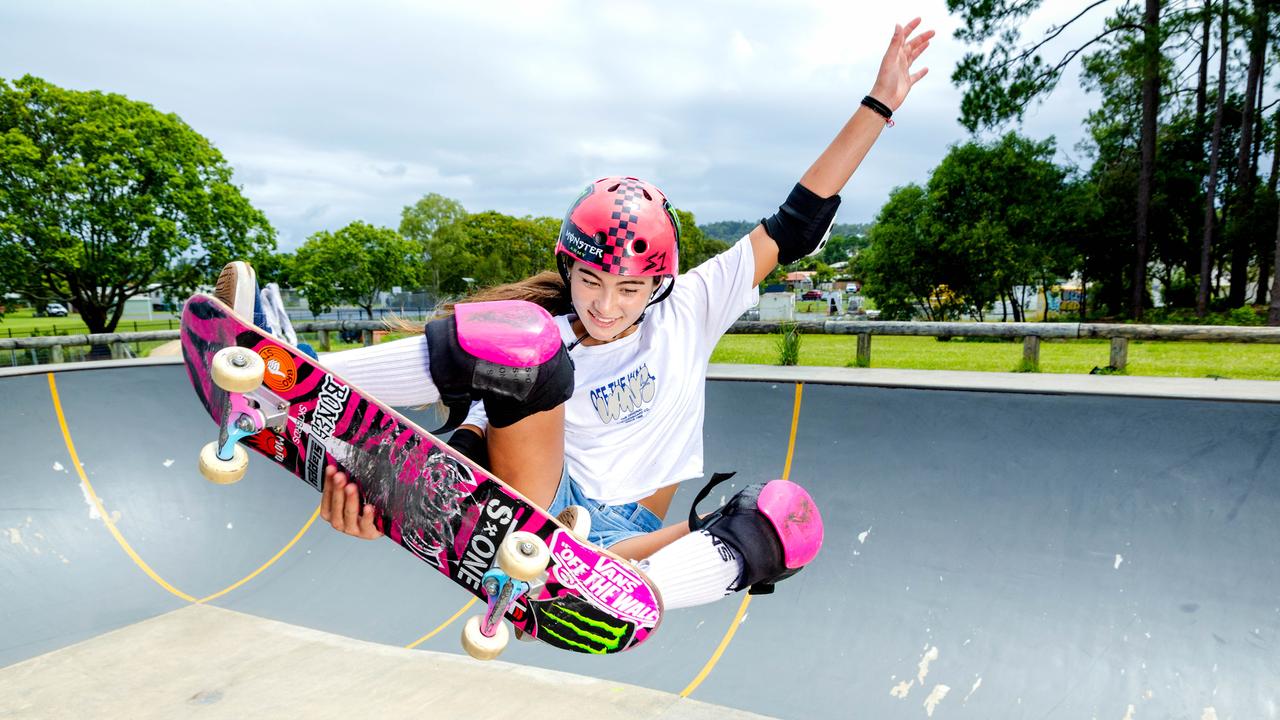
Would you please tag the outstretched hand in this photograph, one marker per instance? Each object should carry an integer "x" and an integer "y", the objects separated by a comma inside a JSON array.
[{"x": 895, "y": 78}]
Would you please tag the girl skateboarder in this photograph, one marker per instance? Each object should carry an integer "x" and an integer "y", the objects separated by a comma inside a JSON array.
[{"x": 635, "y": 342}]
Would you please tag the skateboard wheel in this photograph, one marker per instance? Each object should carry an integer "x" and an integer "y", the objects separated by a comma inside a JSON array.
[
  {"x": 237, "y": 369},
  {"x": 577, "y": 520},
  {"x": 223, "y": 472},
  {"x": 523, "y": 556},
  {"x": 480, "y": 647}
]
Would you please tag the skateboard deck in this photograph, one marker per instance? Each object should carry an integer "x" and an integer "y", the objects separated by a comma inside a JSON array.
[{"x": 432, "y": 501}]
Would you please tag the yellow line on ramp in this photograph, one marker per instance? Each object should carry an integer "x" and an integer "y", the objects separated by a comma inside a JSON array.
[
  {"x": 746, "y": 599},
  {"x": 124, "y": 544}
]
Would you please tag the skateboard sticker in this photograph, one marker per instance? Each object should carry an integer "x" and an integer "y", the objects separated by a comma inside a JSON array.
[
  {"x": 574, "y": 624},
  {"x": 497, "y": 517},
  {"x": 604, "y": 582},
  {"x": 280, "y": 373}
]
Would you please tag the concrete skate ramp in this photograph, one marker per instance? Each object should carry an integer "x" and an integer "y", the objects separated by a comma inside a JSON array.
[{"x": 1082, "y": 547}]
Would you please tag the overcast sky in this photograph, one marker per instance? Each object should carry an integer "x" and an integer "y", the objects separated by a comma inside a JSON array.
[{"x": 332, "y": 112}]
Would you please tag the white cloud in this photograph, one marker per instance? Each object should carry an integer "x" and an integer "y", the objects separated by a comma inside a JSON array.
[{"x": 337, "y": 112}]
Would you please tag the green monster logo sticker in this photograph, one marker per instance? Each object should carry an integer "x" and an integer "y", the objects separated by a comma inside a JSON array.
[
  {"x": 572, "y": 624},
  {"x": 675, "y": 219}
]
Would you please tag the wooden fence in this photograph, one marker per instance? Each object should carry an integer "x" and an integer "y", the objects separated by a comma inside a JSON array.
[{"x": 1031, "y": 335}]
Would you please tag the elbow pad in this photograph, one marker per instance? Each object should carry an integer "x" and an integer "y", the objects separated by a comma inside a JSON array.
[{"x": 802, "y": 224}]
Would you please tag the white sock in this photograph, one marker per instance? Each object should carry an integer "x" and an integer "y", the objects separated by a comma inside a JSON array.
[
  {"x": 398, "y": 372},
  {"x": 694, "y": 570}
]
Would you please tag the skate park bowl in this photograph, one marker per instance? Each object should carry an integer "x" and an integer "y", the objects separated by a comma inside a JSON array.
[{"x": 997, "y": 546}]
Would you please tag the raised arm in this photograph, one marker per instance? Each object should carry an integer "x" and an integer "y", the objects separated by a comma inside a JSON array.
[{"x": 803, "y": 221}]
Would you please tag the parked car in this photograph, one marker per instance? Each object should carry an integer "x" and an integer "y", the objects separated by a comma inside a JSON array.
[
  {"x": 812, "y": 295},
  {"x": 55, "y": 310}
]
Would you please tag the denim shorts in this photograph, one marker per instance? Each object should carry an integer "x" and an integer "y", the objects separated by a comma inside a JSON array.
[{"x": 610, "y": 524}]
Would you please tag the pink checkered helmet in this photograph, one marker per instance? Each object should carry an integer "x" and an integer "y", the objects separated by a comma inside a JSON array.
[{"x": 621, "y": 226}]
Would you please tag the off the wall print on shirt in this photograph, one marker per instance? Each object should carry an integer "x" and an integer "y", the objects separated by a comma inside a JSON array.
[{"x": 626, "y": 399}]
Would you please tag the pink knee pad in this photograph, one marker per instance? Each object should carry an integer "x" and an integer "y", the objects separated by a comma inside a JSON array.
[
  {"x": 514, "y": 333},
  {"x": 506, "y": 353},
  {"x": 774, "y": 527},
  {"x": 794, "y": 515}
]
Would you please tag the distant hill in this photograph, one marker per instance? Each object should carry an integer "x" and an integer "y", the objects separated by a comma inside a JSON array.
[{"x": 731, "y": 230}]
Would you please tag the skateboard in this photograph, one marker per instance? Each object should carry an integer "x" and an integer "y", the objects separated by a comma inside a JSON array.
[{"x": 545, "y": 578}]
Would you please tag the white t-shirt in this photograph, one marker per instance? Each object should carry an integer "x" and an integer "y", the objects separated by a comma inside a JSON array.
[{"x": 634, "y": 423}]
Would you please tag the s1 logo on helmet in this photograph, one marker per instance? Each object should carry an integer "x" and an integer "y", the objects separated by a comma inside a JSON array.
[{"x": 657, "y": 262}]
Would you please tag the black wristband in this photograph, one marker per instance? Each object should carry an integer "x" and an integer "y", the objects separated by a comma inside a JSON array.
[{"x": 879, "y": 108}]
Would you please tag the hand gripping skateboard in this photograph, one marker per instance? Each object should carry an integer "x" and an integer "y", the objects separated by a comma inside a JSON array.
[{"x": 470, "y": 526}]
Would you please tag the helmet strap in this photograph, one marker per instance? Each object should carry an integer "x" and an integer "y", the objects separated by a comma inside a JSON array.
[{"x": 660, "y": 296}]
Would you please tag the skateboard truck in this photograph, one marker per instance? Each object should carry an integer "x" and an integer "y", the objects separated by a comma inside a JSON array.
[
  {"x": 247, "y": 409},
  {"x": 522, "y": 559}
]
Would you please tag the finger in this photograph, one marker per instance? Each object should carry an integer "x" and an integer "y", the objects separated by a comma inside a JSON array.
[
  {"x": 922, "y": 39},
  {"x": 911, "y": 26},
  {"x": 915, "y": 78},
  {"x": 351, "y": 510},
  {"x": 368, "y": 528},
  {"x": 917, "y": 52},
  {"x": 326, "y": 496},
  {"x": 337, "y": 500}
]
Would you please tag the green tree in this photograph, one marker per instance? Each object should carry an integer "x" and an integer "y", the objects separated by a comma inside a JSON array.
[
  {"x": 994, "y": 216},
  {"x": 276, "y": 268},
  {"x": 354, "y": 266},
  {"x": 13, "y": 270},
  {"x": 513, "y": 248},
  {"x": 422, "y": 222},
  {"x": 490, "y": 248},
  {"x": 103, "y": 198},
  {"x": 903, "y": 266},
  {"x": 1002, "y": 82},
  {"x": 696, "y": 246},
  {"x": 999, "y": 207},
  {"x": 841, "y": 248}
]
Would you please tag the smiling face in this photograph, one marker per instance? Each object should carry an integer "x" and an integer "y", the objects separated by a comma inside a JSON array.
[{"x": 608, "y": 305}]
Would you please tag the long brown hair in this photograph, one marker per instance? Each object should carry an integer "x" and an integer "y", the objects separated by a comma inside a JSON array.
[{"x": 546, "y": 289}]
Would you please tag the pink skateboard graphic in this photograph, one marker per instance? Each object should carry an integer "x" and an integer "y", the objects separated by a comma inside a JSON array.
[{"x": 451, "y": 514}]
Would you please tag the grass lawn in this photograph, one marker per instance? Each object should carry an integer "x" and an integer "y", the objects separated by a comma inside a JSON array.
[
  {"x": 1177, "y": 359},
  {"x": 23, "y": 323}
]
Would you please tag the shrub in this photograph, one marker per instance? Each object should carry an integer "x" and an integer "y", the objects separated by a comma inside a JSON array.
[{"x": 789, "y": 345}]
